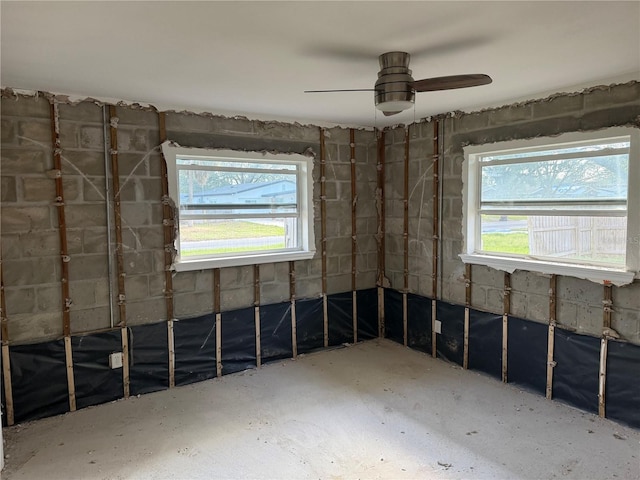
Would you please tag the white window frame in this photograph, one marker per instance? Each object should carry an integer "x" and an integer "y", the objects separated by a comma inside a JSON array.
[
  {"x": 471, "y": 195},
  {"x": 305, "y": 217}
]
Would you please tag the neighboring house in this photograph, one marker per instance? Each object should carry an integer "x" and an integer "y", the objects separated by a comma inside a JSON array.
[{"x": 275, "y": 192}]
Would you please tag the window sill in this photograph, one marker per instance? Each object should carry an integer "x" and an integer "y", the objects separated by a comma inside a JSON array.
[
  {"x": 203, "y": 264},
  {"x": 595, "y": 274}
]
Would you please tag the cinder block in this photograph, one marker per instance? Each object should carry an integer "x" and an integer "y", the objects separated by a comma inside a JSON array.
[
  {"x": 92, "y": 137},
  {"x": 91, "y": 319},
  {"x": 148, "y": 311},
  {"x": 278, "y": 130},
  {"x": 626, "y": 321},
  {"x": 339, "y": 283},
  {"x": 274, "y": 293},
  {"x": 140, "y": 117},
  {"x": 86, "y": 215},
  {"x": 560, "y": 105},
  {"x": 11, "y": 246},
  {"x": 93, "y": 189},
  {"x": 32, "y": 132},
  {"x": 25, "y": 219},
  {"x": 236, "y": 298},
  {"x": 365, "y": 279},
  {"x": 31, "y": 271},
  {"x": 94, "y": 240},
  {"x": 36, "y": 189},
  {"x": 20, "y": 161},
  {"x": 28, "y": 327},
  {"x": 185, "y": 282},
  {"x": 83, "y": 294},
  {"x": 69, "y": 135},
  {"x": 237, "y": 277},
  {"x": 133, "y": 139},
  {"x": 309, "y": 288},
  {"x": 136, "y": 287},
  {"x": 20, "y": 300},
  {"x": 81, "y": 112},
  {"x": 76, "y": 162},
  {"x": 567, "y": 313},
  {"x": 8, "y": 190},
  {"x": 86, "y": 267},
  {"x": 606, "y": 96},
  {"x": 40, "y": 244},
  {"x": 589, "y": 319},
  {"x": 7, "y": 131},
  {"x": 580, "y": 291},
  {"x": 135, "y": 214},
  {"x": 26, "y": 106},
  {"x": 136, "y": 263},
  {"x": 74, "y": 240},
  {"x": 49, "y": 299}
]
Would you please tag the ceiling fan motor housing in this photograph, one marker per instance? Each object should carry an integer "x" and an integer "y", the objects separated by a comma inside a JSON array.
[{"x": 393, "y": 91}]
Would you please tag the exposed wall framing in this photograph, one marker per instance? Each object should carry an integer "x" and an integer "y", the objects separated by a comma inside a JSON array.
[
  {"x": 405, "y": 238},
  {"x": 354, "y": 241},
  {"x": 436, "y": 234},
  {"x": 467, "y": 307},
  {"x": 6, "y": 362},
  {"x": 607, "y": 309},
  {"x": 553, "y": 288},
  {"x": 292, "y": 298},
  {"x": 323, "y": 233},
  {"x": 218, "y": 325},
  {"x": 256, "y": 312},
  {"x": 381, "y": 231},
  {"x": 505, "y": 323}
]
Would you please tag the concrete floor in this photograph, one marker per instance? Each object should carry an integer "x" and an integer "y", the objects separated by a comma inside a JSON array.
[{"x": 374, "y": 410}]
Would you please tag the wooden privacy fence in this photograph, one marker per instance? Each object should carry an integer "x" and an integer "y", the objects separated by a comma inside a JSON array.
[{"x": 569, "y": 236}]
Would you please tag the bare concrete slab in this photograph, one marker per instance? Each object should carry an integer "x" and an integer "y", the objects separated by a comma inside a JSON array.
[{"x": 374, "y": 410}]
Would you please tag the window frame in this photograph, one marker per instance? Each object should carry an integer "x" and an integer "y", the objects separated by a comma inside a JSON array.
[
  {"x": 304, "y": 217},
  {"x": 471, "y": 209}
]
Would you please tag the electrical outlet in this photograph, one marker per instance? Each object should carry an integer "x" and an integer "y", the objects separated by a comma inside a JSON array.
[
  {"x": 115, "y": 360},
  {"x": 438, "y": 326}
]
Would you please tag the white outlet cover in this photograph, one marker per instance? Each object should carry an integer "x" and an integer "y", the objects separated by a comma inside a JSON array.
[
  {"x": 115, "y": 360},
  {"x": 438, "y": 326}
]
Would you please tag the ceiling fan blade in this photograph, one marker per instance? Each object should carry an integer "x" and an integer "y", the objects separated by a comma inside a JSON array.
[
  {"x": 344, "y": 90},
  {"x": 388, "y": 114},
  {"x": 451, "y": 82}
]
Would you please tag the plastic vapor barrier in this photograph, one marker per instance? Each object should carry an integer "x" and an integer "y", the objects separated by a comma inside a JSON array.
[
  {"x": 309, "y": 325},
  {"x": 340, "y": 315},
  {"x": 95, "y": 381},
  {"x": 419, "y": 322},
  {"x": 527, "y": 354},
  {"x": 238, "y": 331},
  {"x": 39, "y": 380},
  {"x": 367, "y": 312},
  {"x": 575, "y": 376},
  {"x": 393, "y": 323},
  {"x": 148, "y": 358},
  {"x": 622, "y": 393},
  {"x": 275, "y": 332},
  {"x": 195, "y": 349},
  {"x": 450, "y": 343},
  {"x": 485, "y": 342}
]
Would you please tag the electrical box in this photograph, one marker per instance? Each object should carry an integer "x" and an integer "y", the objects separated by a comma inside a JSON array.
[
  {"x": 438, "y": 326},
  {"x": 115, "y": 360}
]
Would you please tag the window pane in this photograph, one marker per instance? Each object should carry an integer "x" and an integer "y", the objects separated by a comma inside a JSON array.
[
  {"x": 591, "y": 179},
  {"x": 237, "y": 192},
  {"x": 222, "y": 164},
  {"x": 220, "y": 237},
  {"x": 589, "y": 240}
]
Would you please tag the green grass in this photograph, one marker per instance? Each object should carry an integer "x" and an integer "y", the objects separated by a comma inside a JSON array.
[
  {"x": 228, "y": 231},
  {"x": 214, "y": 251},
  {"x": 506, "y": 243}
]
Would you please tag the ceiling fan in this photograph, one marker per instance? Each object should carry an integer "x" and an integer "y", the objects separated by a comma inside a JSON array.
[{"x": 395, "y": 88}]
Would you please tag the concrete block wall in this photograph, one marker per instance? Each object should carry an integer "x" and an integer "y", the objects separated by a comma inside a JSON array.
[
  {"x": 30, "y": 239},
  {"x": 580, "y": 305}
]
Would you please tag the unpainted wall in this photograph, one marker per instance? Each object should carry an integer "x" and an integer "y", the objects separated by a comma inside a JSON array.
[
  {"x": 580, "y": 306},
  {"x": 30, "y": 237}
]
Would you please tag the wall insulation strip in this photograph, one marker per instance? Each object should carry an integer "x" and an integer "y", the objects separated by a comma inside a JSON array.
[
  {"x": 553, "y": 288},
  {"x": 56, "y": 173},
  {"x": 122, "y": 298},
  {"x": 354, "y": 245},
  {"x": 436, "y": 229},
  {"x": 405, "y": 236},
  {"x": 6, "y": 365},
  {"x": 505, "y": 323},
  {"x": 292, "y": 296},
  {"x": 256, "y": 311},
  {"x": 467, "y": 308},
  {"x": 216, "y": 310},
  {"x": 323, "y": 233},
  {"x": 167, "y": 221},
  {"x": 381, "y": 231},
  {"x": 604, "y": 344}
]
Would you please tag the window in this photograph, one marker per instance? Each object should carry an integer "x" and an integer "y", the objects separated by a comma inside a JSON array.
[
  {"x": 240, "y": 208},
  {"x": 568, "y": 205}
]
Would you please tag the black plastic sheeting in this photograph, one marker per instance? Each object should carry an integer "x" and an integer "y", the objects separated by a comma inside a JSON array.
[
  {"x": 527, "y": 354},
  {"x": 450, "y": 342},
  {"x": 393, "y": 322},
  {"x": 575, "y": 376},
  {"x": 148, "y": 358},
  {"x": 367, "y": 312},
  {"x": 238, "y": 332},
  {"x": 485, "y": 342},
  {"x": 340, "y": 318},
  {"x": 419, "y": 322},
  {"x": 309, "y": 325},
  {"x": 95, "y": 381},
  {"x": 275, "y": 332},
  {"x": 38, "y": 380},
  {"x": 195, "y": 349},
  {"x": 622, "y": 391}
]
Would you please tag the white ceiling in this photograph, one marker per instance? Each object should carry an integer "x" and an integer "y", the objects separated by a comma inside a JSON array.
[{"x": 256, "y": 58}]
